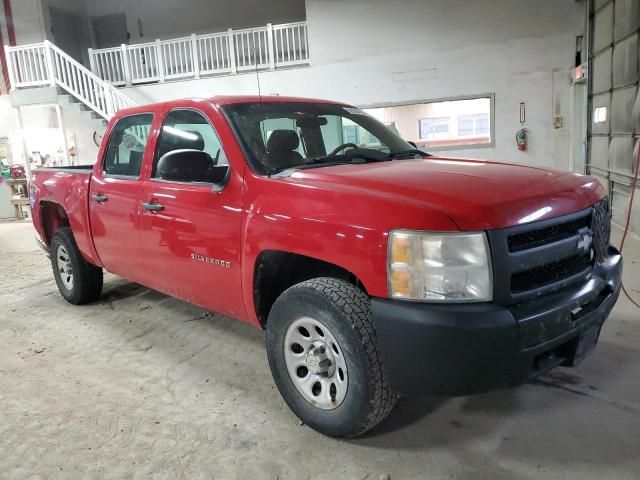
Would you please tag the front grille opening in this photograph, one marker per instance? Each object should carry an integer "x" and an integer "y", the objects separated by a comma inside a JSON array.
[
  {"x": 550, "y": 273},
  {"x": 544, "y": 236},
  {"x": 601, "y": 227}
]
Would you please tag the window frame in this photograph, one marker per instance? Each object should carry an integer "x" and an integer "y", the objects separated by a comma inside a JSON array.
[
  {"x": 434, "y": 121},
  {"x": 216, "y": 187},
  {"x": 471, "y": 146},
  {"x": 475, "y": 121},
  {"x": 106, "y": 151}
]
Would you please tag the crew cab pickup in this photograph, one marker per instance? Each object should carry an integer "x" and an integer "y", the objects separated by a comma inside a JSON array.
[{"x": 376, "y": 269}]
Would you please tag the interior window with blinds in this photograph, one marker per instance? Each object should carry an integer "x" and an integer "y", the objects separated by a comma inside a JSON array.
[{"x": 443, "y": 124}]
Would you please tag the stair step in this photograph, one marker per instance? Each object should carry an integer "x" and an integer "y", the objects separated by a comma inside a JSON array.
[{"x": 66, "y": 99}]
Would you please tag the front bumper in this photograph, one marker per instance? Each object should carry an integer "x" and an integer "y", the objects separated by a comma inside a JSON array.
[{"x": 462, "y": 349}]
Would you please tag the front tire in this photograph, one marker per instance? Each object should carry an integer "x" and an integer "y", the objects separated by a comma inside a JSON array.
[
  {"x": 79, "y": 281},
  {"x": 324, "y": 358}
]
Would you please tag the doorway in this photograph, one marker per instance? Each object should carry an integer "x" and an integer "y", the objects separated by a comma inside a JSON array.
[
  {"x": 110, "y": 30},
  {"x": 68, "y": 33}
]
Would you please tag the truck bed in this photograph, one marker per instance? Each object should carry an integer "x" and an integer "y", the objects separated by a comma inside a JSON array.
[
  {"x": 71, "y": 168},
  {"x": 66, "y": 188}
]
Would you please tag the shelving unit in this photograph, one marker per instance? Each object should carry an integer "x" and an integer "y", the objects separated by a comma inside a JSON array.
[{"x": 20, "y": 196}]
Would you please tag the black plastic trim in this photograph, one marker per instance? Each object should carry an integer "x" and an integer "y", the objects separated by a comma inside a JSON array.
[
  {"x": 505, "y": 262},
  {"x": 460, "y": 349}
]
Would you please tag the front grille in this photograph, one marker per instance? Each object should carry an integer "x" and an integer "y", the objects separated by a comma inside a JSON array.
[
  {"x": 536, "y": 258},
  {"x": 549, "y": 273},
  {"x": 601, "y": 227},
  {"x": 544, "y": 236}
]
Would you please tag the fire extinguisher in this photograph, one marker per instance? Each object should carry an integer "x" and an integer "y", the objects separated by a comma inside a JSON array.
[
  {"x": 521, "y": 136},
  {"x": 521, "y": 139}
]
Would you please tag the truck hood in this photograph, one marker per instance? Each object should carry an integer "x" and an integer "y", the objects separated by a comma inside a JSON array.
[{"x": 475, "y": 195}]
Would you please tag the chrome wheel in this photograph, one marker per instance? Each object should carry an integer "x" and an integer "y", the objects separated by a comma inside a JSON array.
[
  {"x": 315, "y": 363},
  {"x": 65, "y": 268}
]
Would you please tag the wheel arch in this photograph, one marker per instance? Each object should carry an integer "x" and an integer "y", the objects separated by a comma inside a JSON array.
[
  {"x": 277, "y": 270},
  {"x": 53, "y": 216}
]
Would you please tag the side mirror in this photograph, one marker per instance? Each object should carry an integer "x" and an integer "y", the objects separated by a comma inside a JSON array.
[{"x": 190, "y": 166}]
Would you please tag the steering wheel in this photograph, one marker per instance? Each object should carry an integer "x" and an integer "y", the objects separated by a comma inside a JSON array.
[{"x": 342, "y": 147}]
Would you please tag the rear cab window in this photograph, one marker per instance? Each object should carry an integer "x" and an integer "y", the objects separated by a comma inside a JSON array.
[{"x": 127, "y": 143}]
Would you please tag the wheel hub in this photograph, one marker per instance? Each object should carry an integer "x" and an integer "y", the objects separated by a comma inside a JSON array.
[
  {"x": 316, "y": 363},
  {"x": 320, "y": 360},
  {"x": 65, "y": 267}
]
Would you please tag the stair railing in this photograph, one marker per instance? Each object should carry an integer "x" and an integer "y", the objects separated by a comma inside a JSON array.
[
  {"x": 42, "y": 64},
  {"x": 224, "y": 53}
]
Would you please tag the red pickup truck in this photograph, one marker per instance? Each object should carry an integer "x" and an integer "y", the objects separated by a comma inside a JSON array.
[{"x": 376, "y": 269}]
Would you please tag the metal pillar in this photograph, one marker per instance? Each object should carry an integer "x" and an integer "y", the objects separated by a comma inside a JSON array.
[
  {"x": 27, "y": 158},
  {"x": 63, "y": 132}
]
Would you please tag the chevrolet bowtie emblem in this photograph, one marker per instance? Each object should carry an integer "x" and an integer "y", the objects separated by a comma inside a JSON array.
[{"x": 585, "y": 241}]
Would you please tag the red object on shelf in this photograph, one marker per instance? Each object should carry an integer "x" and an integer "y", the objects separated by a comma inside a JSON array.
[{"x": 17, "y": 171}]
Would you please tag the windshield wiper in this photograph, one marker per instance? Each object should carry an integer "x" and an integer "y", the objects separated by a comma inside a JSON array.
[
  {"x": 411, "y": 153},
  {"x": 348, "y": 158},
  {"x": 333, "y": 160}
]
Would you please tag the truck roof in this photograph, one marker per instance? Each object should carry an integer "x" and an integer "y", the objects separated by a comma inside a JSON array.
[
  {"x": 221, "y": 100},
  {"x": 233, "y": 99}
]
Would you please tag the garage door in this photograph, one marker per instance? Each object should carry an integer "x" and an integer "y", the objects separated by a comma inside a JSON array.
[{"x": 614, "y": 126}]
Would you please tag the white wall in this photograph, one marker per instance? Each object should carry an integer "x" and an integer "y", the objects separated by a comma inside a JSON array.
[
  {"x": 28, "y": 21},
  {"x": 375, "y": 52},
  {"x": 166, "y": 19},
  {"x": 7, "y": 119}
]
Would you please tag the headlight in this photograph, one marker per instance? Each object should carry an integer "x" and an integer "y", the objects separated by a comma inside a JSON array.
[{"x": 439, "y": 267}]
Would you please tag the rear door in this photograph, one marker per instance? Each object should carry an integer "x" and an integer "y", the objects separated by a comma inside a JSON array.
[
  {"x": 190, "y": 237},
  {"x": 114, "y": 196}
]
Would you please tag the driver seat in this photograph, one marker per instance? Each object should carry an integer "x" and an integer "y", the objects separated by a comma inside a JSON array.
[{"x": 281, "y": 149}]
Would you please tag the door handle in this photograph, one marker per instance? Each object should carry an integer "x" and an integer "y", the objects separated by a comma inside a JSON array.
[
  {"x": 99, "y": 198},
  {"x": 152, "y": 206}
]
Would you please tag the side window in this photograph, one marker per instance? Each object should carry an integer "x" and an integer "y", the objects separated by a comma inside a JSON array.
[
  {"x": 126, "y": 145},
  {"x": 188, "y": 129}
]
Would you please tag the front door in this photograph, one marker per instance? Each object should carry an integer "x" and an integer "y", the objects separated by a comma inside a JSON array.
[
  {"x": 190, "y": 240},
  {"x": 114, "y": 196}
]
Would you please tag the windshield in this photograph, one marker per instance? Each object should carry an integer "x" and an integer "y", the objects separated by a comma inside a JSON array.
[{"x": 279, "y": 136}]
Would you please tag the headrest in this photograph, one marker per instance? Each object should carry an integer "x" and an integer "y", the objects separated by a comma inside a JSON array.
[{"x": 283, "y": 141}]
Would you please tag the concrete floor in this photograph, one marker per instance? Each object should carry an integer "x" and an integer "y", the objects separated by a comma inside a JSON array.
[{"x": 141, "y": 385}]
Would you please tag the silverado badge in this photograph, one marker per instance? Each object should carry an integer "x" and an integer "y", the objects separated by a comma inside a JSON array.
[{"x": 214, "y": 261}]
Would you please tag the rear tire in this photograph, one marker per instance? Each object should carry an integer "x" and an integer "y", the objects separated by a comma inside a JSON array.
[
  {"x": 324, "y": 358},
  {"x": 79, "y": 281}
]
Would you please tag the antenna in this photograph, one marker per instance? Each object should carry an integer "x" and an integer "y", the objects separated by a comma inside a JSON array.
[
  {"x": 255, "y": 62},
  {"x": 262, "y": 130}
]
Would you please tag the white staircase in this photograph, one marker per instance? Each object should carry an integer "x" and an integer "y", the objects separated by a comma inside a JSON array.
[
  {"x": 44, "y": 64},
  {"x": 90, "y": 117}
]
